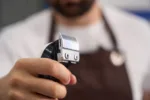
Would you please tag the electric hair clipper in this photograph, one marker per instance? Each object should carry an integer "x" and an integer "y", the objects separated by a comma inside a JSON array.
[{"x": 64, "y": 50}]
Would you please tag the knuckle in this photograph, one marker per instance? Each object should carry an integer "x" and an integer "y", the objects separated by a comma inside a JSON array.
[
  {"x": 14, "y": 80},
  {"x": 67, "y": 78},
  {"x": 14, "y": 95},
  {"x": 58, "y": 71},
  {"x": 64, "y": 93},
  {"x": 59, "y": 91},
  {"x": 19, "y": 63},
  {"x": 54, "y": 91},
  {"x": 52, "y": 66},
  {"x": 17, "y": 80},
  {"x": 54, "y": 69}
]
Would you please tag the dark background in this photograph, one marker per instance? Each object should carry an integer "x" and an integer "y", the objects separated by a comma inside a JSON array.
[{"x": 15, "y": 10}]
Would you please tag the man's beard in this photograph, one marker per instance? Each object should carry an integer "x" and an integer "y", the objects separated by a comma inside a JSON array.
[{"x": 72, "y": 9}]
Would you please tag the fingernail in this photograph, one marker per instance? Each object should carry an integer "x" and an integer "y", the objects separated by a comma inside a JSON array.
[
  {"x": 67, "y": 82},
  {"x": 73, "y": 80}
]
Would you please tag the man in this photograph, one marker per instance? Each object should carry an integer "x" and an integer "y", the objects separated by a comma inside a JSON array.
[{"x": 84, "y": 20}]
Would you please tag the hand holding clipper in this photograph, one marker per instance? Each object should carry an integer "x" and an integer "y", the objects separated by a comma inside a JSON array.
[
  {"x": 64, "y": 50},
  {"x": 23, "y": 83}
]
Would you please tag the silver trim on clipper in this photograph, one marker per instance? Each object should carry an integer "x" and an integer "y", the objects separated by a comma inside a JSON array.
[{"x": 69, "y": 49}]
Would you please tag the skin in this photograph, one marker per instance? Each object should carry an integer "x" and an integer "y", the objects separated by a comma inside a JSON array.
[{"x": 22, "y": 83}]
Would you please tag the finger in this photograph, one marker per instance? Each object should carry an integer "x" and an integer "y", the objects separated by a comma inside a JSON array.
[
  {"x": 46, "y": 67},
  {"x": 46, "y": 87},
  {"x": 40, "y": 95},
  {"x": 15, "y": 94},
  {"x": 35, "y": 96},
  {"x": 19, "y": 94},
  {"x": 73, "y": 80}
]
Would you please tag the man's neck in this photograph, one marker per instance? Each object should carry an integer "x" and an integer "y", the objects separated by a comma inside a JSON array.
[{"x": 92, "y": 16}]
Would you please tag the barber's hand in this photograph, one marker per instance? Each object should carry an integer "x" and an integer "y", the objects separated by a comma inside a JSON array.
[{"x": 22, "y": 83}]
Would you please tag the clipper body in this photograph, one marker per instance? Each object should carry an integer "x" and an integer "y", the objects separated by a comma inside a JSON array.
[{"x": 64, "y": 50}]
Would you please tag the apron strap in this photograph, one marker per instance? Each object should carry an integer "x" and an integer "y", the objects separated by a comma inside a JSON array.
[
  {"x": 52, "y": 29},
  {"x": 110, "y": 33}
]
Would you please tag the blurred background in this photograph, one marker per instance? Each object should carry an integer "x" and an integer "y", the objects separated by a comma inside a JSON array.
[{"x": 15, "y": 10}]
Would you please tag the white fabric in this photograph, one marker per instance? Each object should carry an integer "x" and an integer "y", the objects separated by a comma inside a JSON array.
[{"x": 26, "y": 38}]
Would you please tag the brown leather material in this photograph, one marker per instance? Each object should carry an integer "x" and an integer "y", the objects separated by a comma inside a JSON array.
[{"x": 99, "y": 79}]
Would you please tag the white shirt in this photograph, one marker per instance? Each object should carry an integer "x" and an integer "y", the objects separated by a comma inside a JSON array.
[{"x": 26, "y": 38}]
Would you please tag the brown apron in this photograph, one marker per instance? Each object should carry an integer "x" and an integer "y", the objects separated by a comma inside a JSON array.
[{"x": 98, "y": 78}]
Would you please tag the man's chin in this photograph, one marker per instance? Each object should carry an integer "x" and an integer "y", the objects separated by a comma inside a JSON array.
[
  {"x": 73, "y": 11},
  {"x": 70, "y": 14}
]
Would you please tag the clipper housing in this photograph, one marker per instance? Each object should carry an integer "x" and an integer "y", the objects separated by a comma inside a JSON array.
[{"x": 64, "y": 50}]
